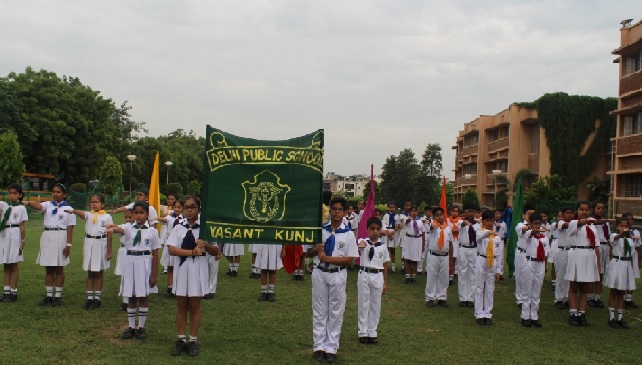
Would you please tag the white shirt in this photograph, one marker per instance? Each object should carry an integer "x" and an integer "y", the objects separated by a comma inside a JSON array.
[
  {"x": 617, "y": 246},
  {"x": 578, "y": 236},
  {"x": 433, "y": 239},
  {"x": 409, "y": 228},
  {"x": 18, "y": 214},
  {"x": 463, "y": 232},
  {"x": 599, "y": 230},
  {"x": 532, "y": 243},
  {"x": 483, "y": 240},
  {"x": 345, "y": 245},
  {"x": 380, "y": 256},
  {"x": 60, "y": 219},
  {"x": 149, "y": 238},
  {"x": 97, "y": 229}
]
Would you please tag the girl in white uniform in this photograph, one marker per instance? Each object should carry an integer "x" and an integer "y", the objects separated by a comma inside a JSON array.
[
  {"x": 55, "y": 242},
  {"x": 122, "y": 252},
  {"x": 12, "y": 240},
  {"x": 174, "y": 218},
  {"x": 413, "y": 244},
  {"x": 165, "y": 210},
  {"x": 619, "y": 276},
  {"x": 233, "y": 252},
  {"x": 139, "y": 267},
  {"x": 191, "y": 275},
  {"x": 268, "y": 260},
  {"x": 96, "y": 248}
]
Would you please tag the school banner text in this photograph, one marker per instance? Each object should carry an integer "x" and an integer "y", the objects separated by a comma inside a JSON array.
[{"x": 262, "y": 191}]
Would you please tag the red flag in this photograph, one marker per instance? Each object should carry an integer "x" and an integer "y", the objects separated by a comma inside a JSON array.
[
  {"x": 442, "y": 202},
  {"x": 368, "y": 210},
  {"x": 292, "y": 257}
]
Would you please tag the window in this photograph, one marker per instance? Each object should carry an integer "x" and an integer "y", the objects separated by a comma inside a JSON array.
[
  {"x": 349, "y": 186},
  {"x": 470, "y": 169},
  {"x": 535, "y": 138},
  {"x": 471, "y": 139},
  {"x": 633, "y": 62},
  {"x": 632, "y": 124},
  {"x": 631, "y": 185}
]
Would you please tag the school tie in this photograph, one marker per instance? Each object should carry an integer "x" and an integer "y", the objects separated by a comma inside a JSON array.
[
  {"x": 328, "y": 246},
  {"x": 627, "y": 247},
  {"x": 137, "y": 238},
  {"x": 7, "y": 214},
  {"x": 371, "y": 251},
  {"x": 472, "y": 237},
  {"x": 59, "y": 205},
  {"x": 96, "y": 214},
  {"x": 415, "y": 227},
  {"x": 391, "y": 220},
  {"x": 541, "y": 253},
  {"x": 442, "y": 236},
  {"x": 490, "y": 250},
  {"x": 177, "y": 220},
  {"x": 189, "y": 241},
  {"x": 591, "y": 235}
]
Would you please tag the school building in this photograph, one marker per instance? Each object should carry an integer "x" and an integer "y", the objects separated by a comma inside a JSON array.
[
  {"x": 626, "y": 163},
  {"x": 351, "y": 186},
  {"x": 493, "y": 148}
]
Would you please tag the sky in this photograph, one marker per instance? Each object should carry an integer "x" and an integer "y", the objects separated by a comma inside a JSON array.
[{"x": 378, "y": 76}]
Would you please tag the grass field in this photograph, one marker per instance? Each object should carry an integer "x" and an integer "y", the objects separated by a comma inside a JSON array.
[{"x": 237, "y": 329}]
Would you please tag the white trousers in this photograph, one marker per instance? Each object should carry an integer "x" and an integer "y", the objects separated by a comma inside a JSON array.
[
  {"x": 369, "y": 290},
  {"x": 328, "y": 306},
  {"x": 484, "y": 288},
  {"x": 532, "y": 280},
  {"x": 561, "y": 288},
  {"x": 520, "y": 258},
  {"x": 466, "y": 259},
  {"x": 213, "y": 273},
  {"x": 437, "y": 278}
]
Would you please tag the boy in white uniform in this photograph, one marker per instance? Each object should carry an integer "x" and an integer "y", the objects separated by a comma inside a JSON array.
[
  {"x": 561, "y": 258},
  {"x": 427, "y": 221},
  {"x": 439, "y": 247},
  {"x": 520, "y": 254},
  {"x": 467, "y": 255},
  {"x": 329, "y": 281},
  {"x": 372, "y": 281},
  {"x": 533, "y": 271},
  {"x": 489, "y": 268}
]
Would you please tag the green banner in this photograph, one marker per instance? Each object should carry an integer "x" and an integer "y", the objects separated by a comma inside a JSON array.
[{"x": 262, "y": 191}]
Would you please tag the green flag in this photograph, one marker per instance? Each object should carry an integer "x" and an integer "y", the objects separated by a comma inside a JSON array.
[
  {"x": 518, "y": 212},
  {"x": 262, "y": 191}
]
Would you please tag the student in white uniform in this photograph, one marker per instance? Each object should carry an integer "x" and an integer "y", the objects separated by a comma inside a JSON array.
[
  {"x": 635, "y": 237},
  {"x": 372, "y": 282},
  {"x": 554, "y": 233},
  {"x": 603, "y": 234},
  {"x": 520, "y": 253},
  {"x": 439, "y": 247},
  {"x": 172, "y": 219},
  {"x": 561, "y": 258},
  {"x": 426, "y": 220},
  {"x": 619, "y": 277},
  {"x": 142, "y": 195},
  {"x": 122, "y": 252},
  {"x": 329, "y": 281},
  {"x": 391, "y": 225},
  {"x": 233, "y": 252},
  {"x": 268, "y": 260},
  {"x": 467, "y": 255},
  {"x": 533, "y": 271},
  {"x": 139, "y": 267},
  {"x": 500, "y": 226},
  {"x": 453, "y": 220},
  {"x": 582, "y": 266},
  {"x": 488, "y": 268},
  {"x": 191, "y": 275},
  {"x": 413, "y": 244},
  {"x": 55, "y": 242},
  {"x": 166, "y": 210},
  {"x": 351, "y": 220},
  {"x": 12, "y": 240},
  {"x": 96, "y": 248}
]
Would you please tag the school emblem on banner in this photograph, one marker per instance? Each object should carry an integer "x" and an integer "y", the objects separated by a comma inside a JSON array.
[{"x": 262, "y": 191}]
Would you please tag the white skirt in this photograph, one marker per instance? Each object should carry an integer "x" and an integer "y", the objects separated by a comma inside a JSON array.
[
  {"x": 120, "y": 256},
  {"x": 411, "y": 249},
  {"x": 553, "y": 251},
  {"x": 620, "y": 275},
  {"x": 135, "y": 276},
  {"x": 252, "y": 248},
  {"x": 94, "y": 255},
  {"x": 10, "y": 241},
  {"x": 268, "y": 257},
  {"x": 582, "y": 266},
  {"x": 604, "y": 257},
  {"x": 191, "y": 279},
  {"x": 166, "y": 259},
  {"x": 52, "y": 243},
  {"x": 233, "y": 249}
]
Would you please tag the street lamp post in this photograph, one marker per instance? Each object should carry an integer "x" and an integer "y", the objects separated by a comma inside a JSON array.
[
  {"x": 496, "y": 173},
  {"x": 168, "y": 164},
  {"x": 131, "y": 159}
]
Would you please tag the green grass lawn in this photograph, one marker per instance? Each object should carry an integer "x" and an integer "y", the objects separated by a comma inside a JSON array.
[{"x": 237, "y": 329}]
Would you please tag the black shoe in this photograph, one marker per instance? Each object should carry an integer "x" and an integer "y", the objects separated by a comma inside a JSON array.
[
  {"x": 123, "y": 307},
  {"x": 442, "y": 303},
  {"x": 301, "y": 278},
  {"x": 363, "y": 340},
  {"x": 630, "y": 304},
  {"x": 573, "y": 320},
  {"x": 581, "y": 321},
  {"x": 318, "y": 356},
  {"x": 407, "y": 281},
  {"x": 271, "y": 297},
  {"x": 88, "y": 304},
  {"x": 430, "y": 303},
  {"x": 566, "y": 305},
  {"x": 413, "y": 280},
  {"x": 403, "y": 271},
  {"x": 526, "y": 322},
  {"x": 140, "y": 333},
  {"x": 519, "y": 305},
  {"x": 46, "y": 300},
  {"x": 179, "y": 347},
  {"x": 10, "y": 298},
  {"x": 169, "y": 293},
  {"x": 614, "y": 324},
  {"x": 331, "y": 357},
  {"x": 451, "y": 282},
  {"x": 97, "y": 303},
  {"x": 57, "y": 301},
  {"x": 128, "y": 334},
  {"x": 372, "y": 340},
  {"x": 192, "y": 348},
  {"x": 536, "y": 323},
  {"x": 470, "y": 304},
  {"x": 591, "y": 303},
  {"x": 462, "y": 304},
  {"x": 599, "y": 303},
  {"x": 208, "y": 296},
  {"x": 489, "y": 322},
  {"x": 252, "y": 275},
  {"x": 235, "y": 274},
  {"x": 559, "y": 304},
  {"x": 481, "y": 321},
  {"x": 622, "y": 323},
  {"x": 263, "y": 297},
  {"x": 229, "y": 272}
]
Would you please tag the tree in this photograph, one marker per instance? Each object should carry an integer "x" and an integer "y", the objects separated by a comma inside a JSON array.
[
  {"x": 427, "y": 183},
  {"x": 111, "y": 176},
  {"x": 11, "y": 166},
  {"x": 547, "y": 188},
  {"x": 194, "y": 188},
  {"x": 366, "y": 193},
  {"x": 399, "y": 175},
  {"x": 470, "y": 197}
]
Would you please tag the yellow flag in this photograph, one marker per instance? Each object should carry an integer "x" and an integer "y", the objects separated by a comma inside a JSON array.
[{"x": 154, "y": 187}]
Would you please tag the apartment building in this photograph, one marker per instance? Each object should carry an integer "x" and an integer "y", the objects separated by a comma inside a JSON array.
[{"x": 352, "y": 186}]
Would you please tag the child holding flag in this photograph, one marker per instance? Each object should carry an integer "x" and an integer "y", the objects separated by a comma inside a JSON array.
[
  {"x": 533, "y": 271},
  {"x": 489, "y": 268}
]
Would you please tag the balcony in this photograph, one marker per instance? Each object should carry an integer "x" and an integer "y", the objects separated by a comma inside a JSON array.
[
  {"x": 629, "y": 145},
  {"x": 498, "y": 144},
  {"x": 631, "y": 82},
  {"x": 490, "y": 179},
  {"x": 466, "y": 182},
  {"x": 469, "y": 150}
]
